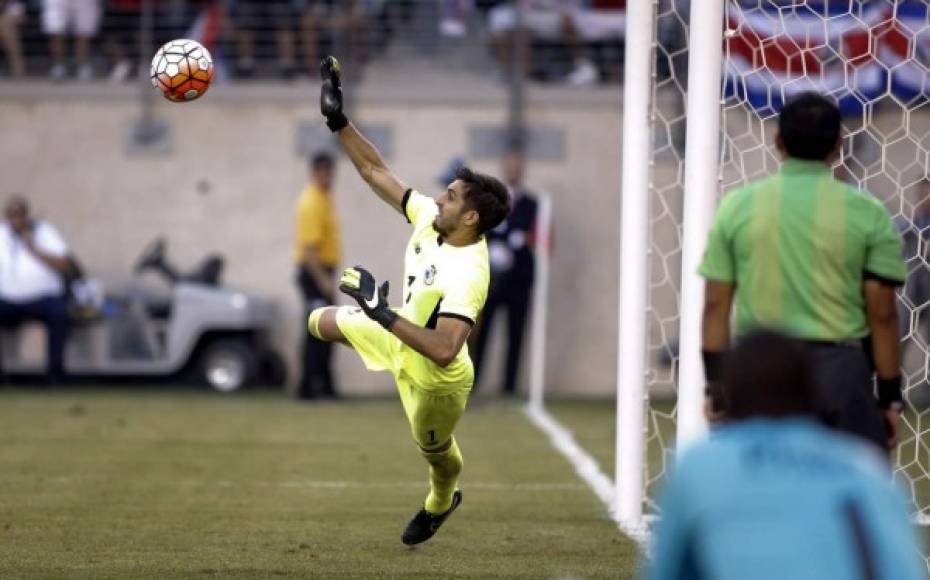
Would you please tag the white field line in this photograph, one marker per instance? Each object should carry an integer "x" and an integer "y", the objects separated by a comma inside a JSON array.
[
  {"x": 586, "y": 467},
  {"x": 322, "y": 484},
  {"x": 334, "y": 484}
]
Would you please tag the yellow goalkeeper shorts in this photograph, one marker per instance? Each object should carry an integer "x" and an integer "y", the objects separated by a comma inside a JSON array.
[{"x": 432, "y": 413}]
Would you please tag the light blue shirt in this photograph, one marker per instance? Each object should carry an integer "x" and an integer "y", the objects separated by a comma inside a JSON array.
[{"x": 766, "y": 499}]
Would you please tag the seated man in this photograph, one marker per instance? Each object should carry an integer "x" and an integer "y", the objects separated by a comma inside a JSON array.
[{"x": 33, "y": 257}]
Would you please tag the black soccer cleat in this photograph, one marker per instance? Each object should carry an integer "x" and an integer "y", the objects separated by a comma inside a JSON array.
[{"x": 424, "y": 524}]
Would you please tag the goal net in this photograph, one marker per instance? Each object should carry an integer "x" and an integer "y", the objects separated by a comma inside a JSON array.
[{"x": 873, "y": 57}]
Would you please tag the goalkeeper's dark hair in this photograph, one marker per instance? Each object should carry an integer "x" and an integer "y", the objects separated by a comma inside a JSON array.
[
  {"x": 768, "y": 374},
  {"x": 487, "y": 195},
  {"x": 809, "y": 125}
]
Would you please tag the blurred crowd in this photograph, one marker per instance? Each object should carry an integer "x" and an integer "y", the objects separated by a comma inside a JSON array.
[{"x": 574, "y": 41}]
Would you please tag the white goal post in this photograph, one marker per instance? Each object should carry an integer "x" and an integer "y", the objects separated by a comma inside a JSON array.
[{"x": 701, "y": 185}]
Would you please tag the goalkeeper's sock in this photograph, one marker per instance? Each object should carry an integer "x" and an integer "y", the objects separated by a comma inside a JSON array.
[
  {"x": 444, "y": 469},
  {"x": 313, "y": 322}
]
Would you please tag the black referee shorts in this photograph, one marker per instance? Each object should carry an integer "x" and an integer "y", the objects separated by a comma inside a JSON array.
[{"x": 846, "y": 400}]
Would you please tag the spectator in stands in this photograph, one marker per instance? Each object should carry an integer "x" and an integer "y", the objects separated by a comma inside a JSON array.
[
  {"x": 570, "y": 22},
  {"x": 254, "y": 16},
  {"x": 317, "y": 251},
  {"x": 513, "y": 263},
  {"x": 342, "y": 25},
  {"x": 121, "y": 35},
  {"x": 774, "y": 494},
  {"x": 453, "y": 18},
  {"x": 12, "y": 14},
  {"x": 600, "y": 23},
  {"x": 82, "y": 17},
  {"x": 33, "y": 259}
]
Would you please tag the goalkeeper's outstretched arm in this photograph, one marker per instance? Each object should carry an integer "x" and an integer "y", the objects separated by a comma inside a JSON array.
[
  {"x": 371, "y": 167},
  {"x": 364, "y": 155}
]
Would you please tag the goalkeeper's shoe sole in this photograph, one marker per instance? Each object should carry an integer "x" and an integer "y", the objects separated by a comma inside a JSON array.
[{"x": 424, "y": 524}]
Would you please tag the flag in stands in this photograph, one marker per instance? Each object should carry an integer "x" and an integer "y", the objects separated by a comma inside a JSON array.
[{"x": 852, "y": 53}]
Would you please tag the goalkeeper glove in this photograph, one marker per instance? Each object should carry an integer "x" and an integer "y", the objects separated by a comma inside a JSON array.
[
  {"x": 358, "y": 283},
  {"x": 331, "y": 94}
]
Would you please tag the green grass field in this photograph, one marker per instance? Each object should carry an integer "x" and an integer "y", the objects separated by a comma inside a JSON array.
[{"x": 140, "y": 483}]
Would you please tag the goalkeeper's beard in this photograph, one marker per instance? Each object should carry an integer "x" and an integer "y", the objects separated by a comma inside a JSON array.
[{"x": 442, "y": 231}]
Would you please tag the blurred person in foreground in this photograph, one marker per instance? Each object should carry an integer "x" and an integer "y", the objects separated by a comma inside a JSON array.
[
  {"x": 12, "y": 15},
  {"x": 33, "y": 260},
  {"x": 422, "y": 343},
  {"x": 82, "y": 17},
  {"x": 772, "y": 493},
  {"x": 810, "y": 256},
  {"x": 318, "y": 249},
  {"x": 513, "y": 264}
]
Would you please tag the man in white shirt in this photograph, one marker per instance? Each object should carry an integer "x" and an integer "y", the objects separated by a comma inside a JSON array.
[{"x": 33, "y": 258}]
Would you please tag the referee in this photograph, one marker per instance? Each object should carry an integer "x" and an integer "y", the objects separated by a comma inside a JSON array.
[
  {"x": 805, "y": 254},
  {"x": 317, "y": 251}
]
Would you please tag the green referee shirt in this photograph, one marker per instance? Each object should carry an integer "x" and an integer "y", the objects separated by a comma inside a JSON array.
[{"x": 798, "y": 245}]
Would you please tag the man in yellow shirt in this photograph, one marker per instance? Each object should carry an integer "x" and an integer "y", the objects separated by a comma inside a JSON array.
[
  {"x": 445, "y": 286},
  {"x": 317, "y": 251}
]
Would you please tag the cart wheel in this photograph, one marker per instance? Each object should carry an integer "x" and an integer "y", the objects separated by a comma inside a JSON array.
[{"x": 227, "y": 365}]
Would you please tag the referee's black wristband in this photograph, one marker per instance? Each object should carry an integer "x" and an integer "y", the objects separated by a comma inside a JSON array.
[
  {"x": 336, "y": 122},
  {"x": 713, "y": 365},
  {"x": 889, "y": 391}
]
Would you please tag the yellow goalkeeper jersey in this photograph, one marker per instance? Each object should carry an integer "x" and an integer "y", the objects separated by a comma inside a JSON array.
[{"x": 440, "y": 280}]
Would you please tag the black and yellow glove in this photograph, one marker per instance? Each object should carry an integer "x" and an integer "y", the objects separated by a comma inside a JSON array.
[
  {"x": 331, "y": 94},
  {"x": 358, "y": 283}
]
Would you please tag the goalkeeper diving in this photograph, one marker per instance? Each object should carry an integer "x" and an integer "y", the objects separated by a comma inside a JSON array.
[{"x": 422, "y": 343}]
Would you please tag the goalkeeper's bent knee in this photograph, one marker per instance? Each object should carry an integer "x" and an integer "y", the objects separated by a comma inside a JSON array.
[{"x": 313, "y": 322}]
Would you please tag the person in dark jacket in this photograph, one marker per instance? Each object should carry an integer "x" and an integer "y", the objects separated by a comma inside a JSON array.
[{"x": 513, "y": 264}]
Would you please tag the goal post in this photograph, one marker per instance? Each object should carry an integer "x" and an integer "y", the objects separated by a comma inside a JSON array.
[
  {"x": 539, "y": 319},
  {"x": 702, "y": 160},
  {"x": 634, "y": 262}
]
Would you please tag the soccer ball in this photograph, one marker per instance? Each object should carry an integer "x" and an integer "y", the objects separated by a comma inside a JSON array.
[{"x": 182, "y": 70}]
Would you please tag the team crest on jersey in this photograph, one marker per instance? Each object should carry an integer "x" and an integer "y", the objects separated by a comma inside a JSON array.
[
  {"x": 429, "y": 276},
  {"x": 416, "y": 248}
]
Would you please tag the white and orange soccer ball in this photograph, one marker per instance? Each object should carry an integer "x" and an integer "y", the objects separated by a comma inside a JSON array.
[{"x": 182, "y": 70}]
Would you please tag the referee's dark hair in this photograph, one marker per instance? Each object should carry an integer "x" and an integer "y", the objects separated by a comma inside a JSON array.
[
  {"x": 809, "y": 127},
  {"x": 320, "y": 159},
  {"x": 486, "y": 195},
  {"x": 768, "y": 375}
]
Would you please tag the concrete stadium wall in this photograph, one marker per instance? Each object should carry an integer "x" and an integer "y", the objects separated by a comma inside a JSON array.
[{"x": 231, "y": 178}]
